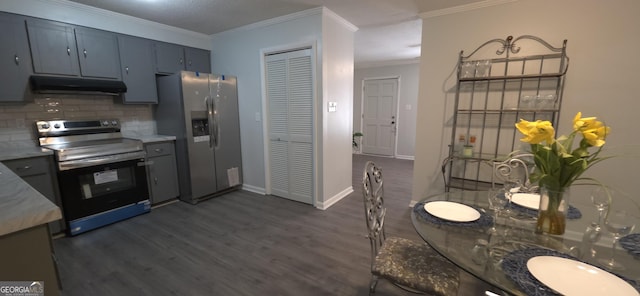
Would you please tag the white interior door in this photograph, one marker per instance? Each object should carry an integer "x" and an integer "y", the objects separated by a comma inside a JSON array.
[
  {"x": 289, "y": 83},
  {"x": 379, "y": 116}
]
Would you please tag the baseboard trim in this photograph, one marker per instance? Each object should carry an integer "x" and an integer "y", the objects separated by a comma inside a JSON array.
[
  {"x": 336, "y": 198},
  {"x": 254, "y": 189},
  {"x": 405, "y": 157}
]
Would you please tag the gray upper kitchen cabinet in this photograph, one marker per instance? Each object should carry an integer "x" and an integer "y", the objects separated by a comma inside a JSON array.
[
  {"x": 138, "y": 70},
  {"x": 53, "y": 48},
  {"x": 169, "y": 58},
  {"x": 173, "y": 58},
  {"x": 39, "y": 172},
  {"x": 15, "y": 59},
  {"x": 98, "y": 53},
  {"x": 162, "y": 171},
  {"x": 197, "y": 60},
  {"x": 63, "y": 49}
]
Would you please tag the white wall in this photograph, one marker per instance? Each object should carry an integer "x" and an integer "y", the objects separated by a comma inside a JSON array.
[
  {"x": 603, "y": 41},
  {"x": 238, "y": 52},
  {"x": 337, "y": 87},
  {"x": 83, "y": 15},
  {"x": 408, "y": 75}
]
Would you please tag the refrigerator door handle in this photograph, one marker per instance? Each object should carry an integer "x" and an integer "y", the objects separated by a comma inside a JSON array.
[
  {"x": 210, "y": 121},
  {"x": 215, "y": 128}
]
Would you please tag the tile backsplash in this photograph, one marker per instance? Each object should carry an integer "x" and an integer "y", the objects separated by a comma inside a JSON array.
[{"x": 17, "y": 121}]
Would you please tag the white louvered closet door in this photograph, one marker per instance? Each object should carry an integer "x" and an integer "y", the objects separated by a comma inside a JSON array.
[{"x": 289, "y": 84}]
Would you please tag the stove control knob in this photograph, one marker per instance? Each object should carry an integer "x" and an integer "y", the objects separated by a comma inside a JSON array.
[
  {"x": 105, "y": 123},
  {"x": 114, "y": 122},
  {"x": 57, "y": 125},
  {"x": 45, "y": 126}
]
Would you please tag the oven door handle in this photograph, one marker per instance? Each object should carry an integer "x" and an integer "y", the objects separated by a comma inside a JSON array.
[{"x": 100, "y": 160}]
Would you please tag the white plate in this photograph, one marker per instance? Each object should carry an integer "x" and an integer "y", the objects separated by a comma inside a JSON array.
[
  {"x": 527, "y": 200},
  {"x": 570, "y": 277},
  {"x": 452, "y": 211}
]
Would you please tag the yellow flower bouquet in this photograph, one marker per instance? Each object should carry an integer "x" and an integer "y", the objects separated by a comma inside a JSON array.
[{"x": 558, "y": 165}]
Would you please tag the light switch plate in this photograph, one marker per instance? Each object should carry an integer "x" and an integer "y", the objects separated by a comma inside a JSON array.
[{"x": 333, "y": 106}]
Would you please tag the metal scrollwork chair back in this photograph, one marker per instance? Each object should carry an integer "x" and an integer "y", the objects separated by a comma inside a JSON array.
[
  {"x": 516, "y": 167},
  {"x": 412, "y": 266}
]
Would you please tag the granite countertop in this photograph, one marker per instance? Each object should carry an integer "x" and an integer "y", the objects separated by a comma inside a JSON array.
[
  {"x": 153, "y": 138},
  {"x": 9, "y": 153},
  {"x": 21, "y": 206}
]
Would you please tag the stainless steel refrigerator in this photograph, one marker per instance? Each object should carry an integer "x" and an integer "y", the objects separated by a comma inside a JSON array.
[{"x": 201, "y": 111}]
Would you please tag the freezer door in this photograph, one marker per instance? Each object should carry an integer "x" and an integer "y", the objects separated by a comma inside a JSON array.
[
  {"x": 202, "y": 163},
  {"x": 226, "y": 131}
]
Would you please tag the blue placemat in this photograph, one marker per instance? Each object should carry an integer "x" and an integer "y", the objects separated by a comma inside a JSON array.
[
  {"x": 572, "y": 213},
  {"x": 631, "y": 243},
  {"x": 515, "y": 268},
  {"x": 485, "y": 220}
]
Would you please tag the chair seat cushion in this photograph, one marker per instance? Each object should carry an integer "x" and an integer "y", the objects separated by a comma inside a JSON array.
[{"x": 416, "y": 266}]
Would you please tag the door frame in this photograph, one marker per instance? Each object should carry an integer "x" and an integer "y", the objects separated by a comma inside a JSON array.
[
  {"x": 312, "y": 46},
  {"x": 362, "y": 96}
]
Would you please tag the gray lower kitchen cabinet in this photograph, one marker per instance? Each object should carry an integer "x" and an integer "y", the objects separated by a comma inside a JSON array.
[
  {"x": 63, "y": 49},
  {"x": 173, "y": 58},
  {"x": 138, "y": 70},
  {"x": 197, "y": 60},
  {"x": 40, "y": 174},
  {"x": 15, "y": 59},
  {"x": 162, "y": 171}
]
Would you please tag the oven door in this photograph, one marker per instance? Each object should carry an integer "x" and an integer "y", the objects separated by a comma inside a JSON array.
[{"x": 99, "y": 188}]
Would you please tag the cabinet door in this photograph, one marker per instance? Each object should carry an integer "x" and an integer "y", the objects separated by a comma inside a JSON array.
[
  {"x": 197, "y": 60},
  {"x": 163, "y": 176},
  {"x": 98, "y": 53},
  {"x": 53, "y": 48},
  {"x": 137, "y": 68},
  {"x": 15, "y": 59},
  {"x": 169, "y": 58}
]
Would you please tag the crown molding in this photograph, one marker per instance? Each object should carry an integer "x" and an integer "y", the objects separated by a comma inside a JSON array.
[
  {"x": 463, "y": 8},
  {"x": 274, "y": 21},
  {"x": 64, "y": 10},
  {"x": 366, "y": 65},
  {"x": 351, "y": 27}
]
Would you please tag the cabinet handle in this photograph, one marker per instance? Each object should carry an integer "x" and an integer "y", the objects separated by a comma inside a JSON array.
[
  {"x": 68, "y": 51},
  {"x": 189, "y": 62},
  {"x": 155, "y": 180},
  {"x": 158, "y": 150},
  {"x": 126, "y": 69},
  {"x": 17, "y": 59},
  {"x": 181, "y": 61},
  {"x": 85, "y": 52},
  {"x": 24, "y": 168}
]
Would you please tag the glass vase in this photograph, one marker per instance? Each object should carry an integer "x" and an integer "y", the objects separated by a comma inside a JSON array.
[{"x": 552, "y": 210}]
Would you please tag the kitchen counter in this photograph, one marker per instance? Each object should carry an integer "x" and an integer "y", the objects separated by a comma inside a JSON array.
[
  {"x": 21, "y": 206},
  {"x": 10, "y": 153},
  {"x": 153, "y": 138}
]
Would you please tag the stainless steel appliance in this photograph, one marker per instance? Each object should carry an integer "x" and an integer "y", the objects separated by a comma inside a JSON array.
[
  {"x": 101, "y": 174},
  {"x": 201, "y": 111}
]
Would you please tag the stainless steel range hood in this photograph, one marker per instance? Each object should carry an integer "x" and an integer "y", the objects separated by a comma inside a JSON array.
[{"x": 52, "y": 84}]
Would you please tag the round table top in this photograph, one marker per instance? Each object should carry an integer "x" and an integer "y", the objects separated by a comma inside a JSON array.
[{"x": 480, "y": 250}]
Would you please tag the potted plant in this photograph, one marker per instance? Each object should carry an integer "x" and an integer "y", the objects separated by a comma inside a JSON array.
[{"x": 354, "y": 142}]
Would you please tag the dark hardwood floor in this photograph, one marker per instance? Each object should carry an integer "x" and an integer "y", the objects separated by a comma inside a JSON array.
[{"x": 242, "y": 243}]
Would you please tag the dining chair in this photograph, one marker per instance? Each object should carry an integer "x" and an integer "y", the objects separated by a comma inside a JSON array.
[
  {"x": 412, "y": 266},
  {"x": 519, "y": 167}
]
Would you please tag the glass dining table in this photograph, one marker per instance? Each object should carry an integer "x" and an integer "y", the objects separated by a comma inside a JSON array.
[{"x": 497, "y": 253}]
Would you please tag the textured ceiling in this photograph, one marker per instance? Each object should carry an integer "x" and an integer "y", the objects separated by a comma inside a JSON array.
[{"x": 389, "y": 30}]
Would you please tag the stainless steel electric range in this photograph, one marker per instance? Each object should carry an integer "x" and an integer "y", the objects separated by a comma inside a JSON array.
[{"x": 101, "y": 174}]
